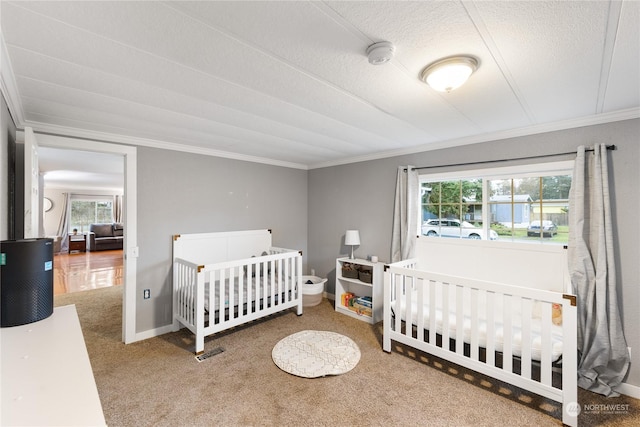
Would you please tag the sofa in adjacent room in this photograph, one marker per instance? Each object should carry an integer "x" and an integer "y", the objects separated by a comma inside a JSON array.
[{"x": 104, "y": 237}]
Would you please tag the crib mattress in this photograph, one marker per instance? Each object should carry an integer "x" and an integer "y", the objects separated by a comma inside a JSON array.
[
  {"x": 256, "y": 284},
  {"x": 516, "y": 338}
]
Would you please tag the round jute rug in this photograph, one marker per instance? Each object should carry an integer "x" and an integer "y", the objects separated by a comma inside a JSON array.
[{"x": 313, "y": 354}]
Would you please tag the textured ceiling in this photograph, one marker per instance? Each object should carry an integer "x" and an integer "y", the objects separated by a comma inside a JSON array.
[{"x": 289, "y": 82}]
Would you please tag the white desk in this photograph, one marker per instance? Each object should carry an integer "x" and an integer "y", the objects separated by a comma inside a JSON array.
[{"x": 46, "y": 374}]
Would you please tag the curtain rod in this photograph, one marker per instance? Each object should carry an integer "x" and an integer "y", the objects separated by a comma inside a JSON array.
[{"x": 481, "y": 162}]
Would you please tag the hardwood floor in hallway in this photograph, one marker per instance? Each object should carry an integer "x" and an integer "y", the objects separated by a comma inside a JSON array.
[{"x": 87, "y": 270}]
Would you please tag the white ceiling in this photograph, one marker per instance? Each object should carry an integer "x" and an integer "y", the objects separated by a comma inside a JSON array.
[
  {"x": 289, "y": 82},
  {"x": 81, "y": 170}
]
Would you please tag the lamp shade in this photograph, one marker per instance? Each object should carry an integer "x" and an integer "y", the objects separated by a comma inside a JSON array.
[{"x": 352, "y": 237}]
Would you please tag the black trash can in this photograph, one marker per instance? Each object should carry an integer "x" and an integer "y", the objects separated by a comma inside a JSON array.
[{"x": 26, "y": 289}]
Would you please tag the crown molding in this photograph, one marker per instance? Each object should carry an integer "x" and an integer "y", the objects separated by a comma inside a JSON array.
[
  {"x": 9, "y": 86},
  {"x": 64, "y": 131},
  {"x": 628, "y": 114},
  {"x": 616, "y": 116}
]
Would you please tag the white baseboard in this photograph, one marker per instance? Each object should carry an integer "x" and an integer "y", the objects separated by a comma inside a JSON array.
[
  {"x": 629, "y": 390},
  {"x": 153, "y": 332}
]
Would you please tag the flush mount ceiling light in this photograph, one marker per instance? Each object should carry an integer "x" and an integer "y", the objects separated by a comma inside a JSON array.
[
  {"x": 380, "y": 53},
  {"x": 450, "y": 73}
]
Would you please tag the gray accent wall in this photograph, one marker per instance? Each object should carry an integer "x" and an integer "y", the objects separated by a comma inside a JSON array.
[
  {"x": 361, "y": 196},
  {"x": 181, "y": 193}
]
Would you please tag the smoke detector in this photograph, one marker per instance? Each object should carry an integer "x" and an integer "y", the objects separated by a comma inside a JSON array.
[{"x": 380, "y": 53}]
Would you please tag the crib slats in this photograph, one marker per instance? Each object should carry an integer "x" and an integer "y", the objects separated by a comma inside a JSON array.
[
  {"x": 279, "y": 278},
  {"x": 545, "y": 345},
  {"x": 222, "y": 300},
  {"x": 289, "y": 274},
  {"x": 281, "y": 282},
  {"x": 409, "y": 286},
  {"x": 475, "y": 347},
  {"x": 507, "y": 334},
  {"x": 241, "y": 293},
  {"x": 445, "y": 315},
  {"x": 399, "y": 285},
  {"x": 267, "y": 284},
  {"x": 459, "y": 320},
  {"x": 418, "y": 294},
  {"x": 432, "y": 310},
  {"x": 491, "y": 342},
  {"x": 261, "y": 288},
  {"x": 525, "y": 330},
  {"x": 250, "y": 290},
  {"x": 270, "y": 281},
  {"x": 267, "y": 300},
  {"x": 233, "y": 279},
  {"x": 199, "y": 310}
]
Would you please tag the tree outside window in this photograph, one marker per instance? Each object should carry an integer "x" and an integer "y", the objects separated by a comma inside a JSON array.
[
  {"x": 86, "y": 212},
  {"x": 455, "y": 199},
  {"x": 524, "y": 209}
]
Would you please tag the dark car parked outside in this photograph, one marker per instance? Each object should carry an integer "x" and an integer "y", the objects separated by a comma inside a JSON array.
[{"x": 549, "y": 229}]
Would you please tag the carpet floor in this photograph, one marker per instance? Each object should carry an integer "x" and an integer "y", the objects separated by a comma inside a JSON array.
[{"x": 159, "y": 382}]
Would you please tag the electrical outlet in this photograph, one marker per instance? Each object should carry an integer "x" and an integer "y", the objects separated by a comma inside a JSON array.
[{"x": 146, "y": 293}]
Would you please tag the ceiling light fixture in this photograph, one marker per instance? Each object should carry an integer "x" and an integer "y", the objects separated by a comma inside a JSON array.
[
  {"x": 450, "y": 73},
  {"x": 380, "y": 53}
]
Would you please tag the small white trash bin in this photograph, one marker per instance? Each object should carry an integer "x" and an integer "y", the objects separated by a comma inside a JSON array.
[{"x": 312, "y": 290}]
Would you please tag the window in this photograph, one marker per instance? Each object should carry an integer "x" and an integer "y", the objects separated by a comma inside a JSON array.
[
  {"x": 523, "y": 204},
  {"x": 90, "y": 211}
]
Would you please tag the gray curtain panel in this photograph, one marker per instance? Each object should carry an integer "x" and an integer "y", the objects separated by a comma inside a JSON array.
[
  {"x": 63, "y": 226},
  {"x": 604, "y": 359},
  {"x": 117, "y": 208},
  {"x": 405, "y": 216}
]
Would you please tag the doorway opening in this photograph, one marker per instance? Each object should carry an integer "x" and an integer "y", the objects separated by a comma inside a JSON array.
[{"x": 129, "y": 215}]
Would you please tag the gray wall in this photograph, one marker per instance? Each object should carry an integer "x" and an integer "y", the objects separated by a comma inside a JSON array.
[
  {"x": 180, "y": 193},
  {"x": 361, "y": 196}
]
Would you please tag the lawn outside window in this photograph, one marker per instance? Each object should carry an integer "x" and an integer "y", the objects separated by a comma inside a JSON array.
[{"x": 525, "y": 204}]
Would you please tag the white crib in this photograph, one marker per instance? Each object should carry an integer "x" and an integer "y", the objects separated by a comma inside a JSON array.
[
  {"x": 511, "y": 333},
  {"x": 223, "y": 280}
]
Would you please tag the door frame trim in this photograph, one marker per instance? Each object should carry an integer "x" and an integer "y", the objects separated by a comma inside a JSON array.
[{"x": 130, "y": 218}]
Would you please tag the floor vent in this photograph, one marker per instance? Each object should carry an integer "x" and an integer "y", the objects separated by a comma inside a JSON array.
[{"x": 209, "y": 354}]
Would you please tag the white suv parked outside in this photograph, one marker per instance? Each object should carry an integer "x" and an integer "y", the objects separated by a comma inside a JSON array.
[{"x": 455, "y": 228}]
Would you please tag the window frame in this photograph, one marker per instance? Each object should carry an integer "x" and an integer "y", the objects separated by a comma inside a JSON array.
[
  {"x": 564, "y": 167},
  {"x": 88, "y": 198}
]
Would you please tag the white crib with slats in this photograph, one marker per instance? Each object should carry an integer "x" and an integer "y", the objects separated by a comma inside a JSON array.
[
  {"x": 516, "y": 334},
  {"x": 223, "y": 280}
]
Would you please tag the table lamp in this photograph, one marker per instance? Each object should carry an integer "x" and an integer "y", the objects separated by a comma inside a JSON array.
[{"x": 352, "y": 238}]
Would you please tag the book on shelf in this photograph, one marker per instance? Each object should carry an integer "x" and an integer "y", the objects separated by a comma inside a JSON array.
[
  {"x": 364, "y": 301},
  {"x": 346, "y": 298},
  {"x": 361, "y": 309}
]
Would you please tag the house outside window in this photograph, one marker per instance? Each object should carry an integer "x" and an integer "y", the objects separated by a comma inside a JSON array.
[{"x": 525, "y": 204}]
